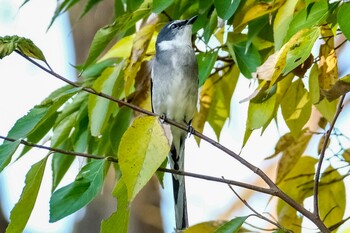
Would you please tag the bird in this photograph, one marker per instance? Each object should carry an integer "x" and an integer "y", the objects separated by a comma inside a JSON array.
[{"x": 174, "y": 94}]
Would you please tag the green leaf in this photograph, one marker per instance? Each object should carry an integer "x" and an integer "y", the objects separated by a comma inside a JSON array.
[
  {"x": 232, "y": 226},
  {"x": 314, "y": 14},
  {"x": 206, "y": 63},
  {"x": 247, "y": 64},
  {"x": 60, "y": 164},
  {"x": 81, "y": 192},
  {"x": 120, "y": 125},
  {"x": 291, "y": 154},
  {"x": 63, "y": 130},
  {"x": 62, "y": 7},
  {"x": 226, "y": 8},
  {"x": 300, "y": 50},
  {"x": 160, "y": 5},
  {"x": 21, "y": 212},
  {"x": 95, "y": 70},
  {"x": 332, "y": 197},
  {"x": 98, "y": 107},
  {"x": 20, "y": 130},
  {"x": 133, "y": 5},
  {"x": 119, "y": 219},
  {"x": 7, "y": 149},
  {"x": 116, "y": 30},
  {"x": 296, "y": 107},
  {"x": 210, "y": 27},
  {"x": 89, "y": 5},
  {"x": 8, "y": 44},
  {"x": 298, "y": 185},
  {"x": 344, "y": 19},
  {"x": 142, "y": 150}
]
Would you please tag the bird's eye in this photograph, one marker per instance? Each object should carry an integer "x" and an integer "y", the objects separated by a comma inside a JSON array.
[{"x": 173, "y": 26}]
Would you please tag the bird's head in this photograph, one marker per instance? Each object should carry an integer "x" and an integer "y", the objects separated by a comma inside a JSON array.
[{"x": 175, "y": 34}]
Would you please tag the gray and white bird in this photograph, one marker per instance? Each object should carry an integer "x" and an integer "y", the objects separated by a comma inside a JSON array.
[{"x": 174, "y": 96}]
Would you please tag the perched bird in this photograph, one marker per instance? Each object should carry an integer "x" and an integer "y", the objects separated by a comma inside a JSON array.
[{"x": 174, "y": 96}]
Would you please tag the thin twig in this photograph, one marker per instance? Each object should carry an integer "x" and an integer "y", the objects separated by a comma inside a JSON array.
[
  {"x": 253, "y": 210},
  {"x": 322, "y": 155}
]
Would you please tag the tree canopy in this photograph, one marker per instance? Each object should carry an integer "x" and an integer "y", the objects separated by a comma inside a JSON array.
[{"x": 288, "y": 48}]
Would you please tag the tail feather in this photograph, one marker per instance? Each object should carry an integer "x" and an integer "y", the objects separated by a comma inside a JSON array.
[{"x": 176, "y": 158}]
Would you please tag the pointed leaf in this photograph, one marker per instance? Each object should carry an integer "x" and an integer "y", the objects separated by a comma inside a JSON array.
[
  {"x": 313, "y": 14},
  {"x": 298, "y": 185},
  {"x": 232, "y": 226},
  {"x": 7, "y": 149},
  {"x": 160, "y": 5},
  {"x": 344, "y": 18},
  {"x": 21, "y": 212},
  {"x": 246, "y": 64},
  {"x": 332, "y": 196},
  {"x": 296, "y": 107},
  {"x": 119, "y": 219},
  {"x": 142, "y": 150},
  {"x": 81, "y": 192},
  {"x": 116, "y": 30},
  {"x": 99, "y": 108},
  {"x": 206, "y": 63},
  {"x": 8, "y": 44},
  {"x": 226, "y": 8},
  {"x": 291, "y": 156}
]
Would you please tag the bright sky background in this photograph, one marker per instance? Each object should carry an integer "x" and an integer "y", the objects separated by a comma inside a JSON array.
[{"x": 23, "y": 86}]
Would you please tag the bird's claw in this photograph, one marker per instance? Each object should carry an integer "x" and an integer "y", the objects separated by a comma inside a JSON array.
[
  {"x": 162, "y": 118},
  {"x": 190, "y": 130}
]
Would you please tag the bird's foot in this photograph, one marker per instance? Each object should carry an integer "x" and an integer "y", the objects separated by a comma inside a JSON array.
[
  {"x": 163, "y": 118},
  {"x": 190, "y": 130}
]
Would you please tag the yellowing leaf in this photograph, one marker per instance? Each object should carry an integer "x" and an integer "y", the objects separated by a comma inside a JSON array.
[
  {"x": 314, "y": 87},
  {"x": 327, "y": 109},
  {"x": 298, "y": 185},
  {"x": 139, "y": 48},
  {"x": 294, "y": 52},
  {"x": 332, "y": 197},
  {"x": 257, "y": 10},
  {"x": 204, "y": 227},
  {"x": 281, "y": 23},
  {"x": 215, "y": 101},
  {"x": 296, "y": 107},
  {"x": 142, "y": 149},
  {"x": 121, "y": 49},
  {"x": 291, "y": 155},
  {"x": 341, "y": 87}
]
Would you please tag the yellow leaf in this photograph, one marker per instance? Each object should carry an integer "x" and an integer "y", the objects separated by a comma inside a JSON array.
[
  {"x": 121, "y": 49},
  {"x": 298, "y": 185},
  {"x": 142, "y": 149},
  {"x": 140, "y": 44},
  {"x": 204, "y": 227},
  {"x": 332, "y": 197},
  {"x": 291, "y": 155}
]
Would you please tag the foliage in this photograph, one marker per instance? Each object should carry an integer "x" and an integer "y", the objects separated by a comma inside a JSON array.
[{"x": 268, "y": 41}]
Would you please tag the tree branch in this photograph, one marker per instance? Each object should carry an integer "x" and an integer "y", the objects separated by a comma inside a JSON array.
[
  {"x": 322, "y": 155},
  {"x": 273, "y": 188}
]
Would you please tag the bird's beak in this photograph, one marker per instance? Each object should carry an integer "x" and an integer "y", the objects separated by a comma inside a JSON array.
[{"x": 191, "y": 20}]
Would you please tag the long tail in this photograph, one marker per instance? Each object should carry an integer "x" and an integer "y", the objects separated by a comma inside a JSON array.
[{"x": 176, "y": 158}]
